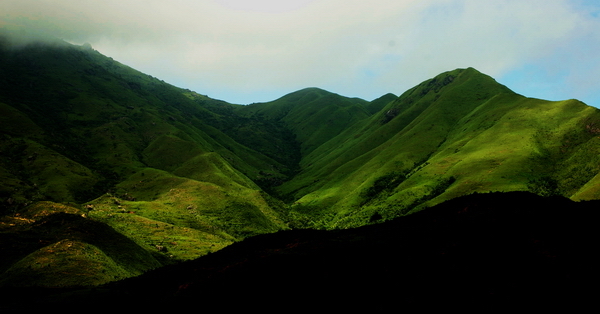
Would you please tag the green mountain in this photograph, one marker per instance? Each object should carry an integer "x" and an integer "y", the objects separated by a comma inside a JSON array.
[
  {"x": 124, "y": 149},
  {"x": 458, "y": 133},
  {"x": 92, "y": 149}
]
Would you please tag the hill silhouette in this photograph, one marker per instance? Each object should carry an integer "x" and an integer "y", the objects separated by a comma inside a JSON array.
[{"x": 482, "y": 250}]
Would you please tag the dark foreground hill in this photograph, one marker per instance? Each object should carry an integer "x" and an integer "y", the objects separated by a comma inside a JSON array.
[{"x": 481, "y": 251}]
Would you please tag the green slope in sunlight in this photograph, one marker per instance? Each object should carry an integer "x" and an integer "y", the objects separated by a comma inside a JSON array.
[{"x": 458, "y": 133}]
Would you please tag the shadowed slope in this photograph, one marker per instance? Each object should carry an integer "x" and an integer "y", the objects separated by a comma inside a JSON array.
[
  {"x": 468, "y": 252},
  {"x": 312, "y": 114},
  {"x": 78, "y": 127},
  {"x": 52, "y": 245}
]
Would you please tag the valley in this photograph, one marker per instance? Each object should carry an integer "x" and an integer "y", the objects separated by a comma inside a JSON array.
[{"x": 107, "y": 173}]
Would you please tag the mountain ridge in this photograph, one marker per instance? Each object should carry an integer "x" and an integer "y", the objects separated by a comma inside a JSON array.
[
  {"x": 419, "y": 129},
  {"x": 182, "y": 175}
]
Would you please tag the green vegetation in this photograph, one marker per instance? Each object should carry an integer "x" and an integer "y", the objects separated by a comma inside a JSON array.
[
  {"x": 50, "y": 244},
  {"x": 384, "y": 183},
  {"x": 132, "y": 153},
  {"x": 456, "y": 134},
  {"x": 94, "y": 153}
]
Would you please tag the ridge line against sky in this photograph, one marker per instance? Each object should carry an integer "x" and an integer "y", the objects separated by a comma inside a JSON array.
[{"x": 245, "y": 51}]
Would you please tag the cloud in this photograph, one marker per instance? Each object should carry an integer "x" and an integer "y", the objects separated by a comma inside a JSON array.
[
  {"x": 270, "y": 6},
  {"x": 246, "y": 51}
]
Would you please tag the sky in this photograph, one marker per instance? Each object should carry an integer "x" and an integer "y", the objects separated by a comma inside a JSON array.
[{"x": 246, "y": 51}]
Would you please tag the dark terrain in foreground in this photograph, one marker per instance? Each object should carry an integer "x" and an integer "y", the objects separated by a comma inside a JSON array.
[{"x": 480, "y": 251}]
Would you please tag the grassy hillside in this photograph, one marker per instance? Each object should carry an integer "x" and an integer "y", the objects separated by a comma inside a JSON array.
[
  {"x": 129, "y": 151},
  {"x": 313, "y": 115},
  {"x": 90, "y": 148},
  {"x": 458, "y": 133},
  {"x": 53, "y": 245}
]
